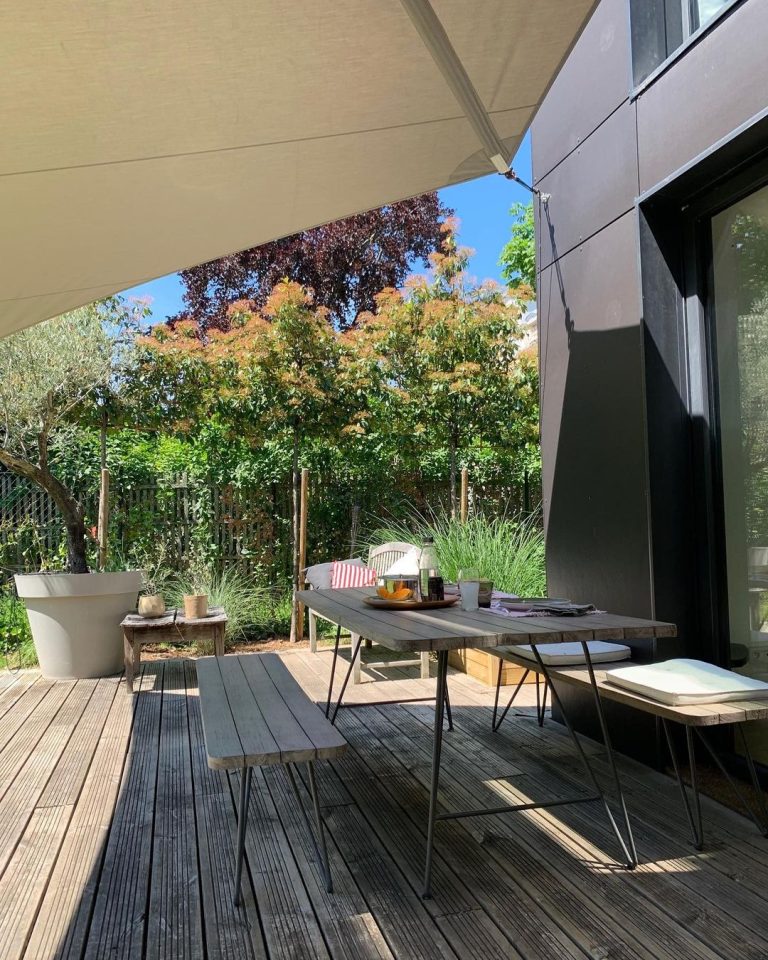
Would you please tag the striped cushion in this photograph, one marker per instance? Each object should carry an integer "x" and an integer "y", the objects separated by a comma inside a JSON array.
[{"x": 351, "y": 575}]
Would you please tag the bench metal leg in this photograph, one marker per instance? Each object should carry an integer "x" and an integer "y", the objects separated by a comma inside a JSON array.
[
  {"x": 628, "y": 848},
  {"x": 242, "y": 821},
  {"x": 321, "y": 849},
  {"x": 693, "y": 815},
  {"x": 695, "y": 819},
  {"x": 437, "y": 746}
]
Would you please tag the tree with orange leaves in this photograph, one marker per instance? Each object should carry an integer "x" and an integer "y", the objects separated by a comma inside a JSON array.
[
  {"x": 274, "y": 373},
  {"x": 448, "y": 352}
]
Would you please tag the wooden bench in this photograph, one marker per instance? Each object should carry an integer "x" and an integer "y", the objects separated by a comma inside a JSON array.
[
  {"x": 171, "y": 628},
  {"x": 254, "y": 714},
  {"x": 694, "y": 718}
]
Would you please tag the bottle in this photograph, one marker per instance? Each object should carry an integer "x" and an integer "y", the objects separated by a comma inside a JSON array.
[{"x": 427, "y": 566}]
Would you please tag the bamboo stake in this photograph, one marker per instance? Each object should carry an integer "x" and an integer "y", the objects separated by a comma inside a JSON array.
[
  {"x": 464, "y": 494},
  {"x": 304, "y": 505},
  {"x": 102, "y": 530}
]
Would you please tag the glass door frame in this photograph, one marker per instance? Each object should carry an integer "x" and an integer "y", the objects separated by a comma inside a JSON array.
[{"x": 703, "y": 399}]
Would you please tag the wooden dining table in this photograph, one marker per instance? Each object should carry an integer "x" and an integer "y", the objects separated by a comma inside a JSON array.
[{"x": 450, "y": 628}]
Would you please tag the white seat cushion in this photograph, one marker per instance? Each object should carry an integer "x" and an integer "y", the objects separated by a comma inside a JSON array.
[
  {"x": 562, "y": 654},
  {"x": 678, "y": 682}
]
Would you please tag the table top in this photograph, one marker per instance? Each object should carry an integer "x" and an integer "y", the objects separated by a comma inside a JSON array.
[
  {"x": 452, "y": 628},
  {"x": 255, "y": 713},
  {"x": 216, "y": 616}
]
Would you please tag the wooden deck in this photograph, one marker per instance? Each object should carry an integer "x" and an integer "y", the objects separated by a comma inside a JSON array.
[{"x": 116, "y": 840}]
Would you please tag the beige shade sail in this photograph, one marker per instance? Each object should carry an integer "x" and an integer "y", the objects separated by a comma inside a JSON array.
[{"x": 140, "y": 137}]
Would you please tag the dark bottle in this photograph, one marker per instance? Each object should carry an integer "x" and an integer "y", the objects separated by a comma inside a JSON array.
[{"x": 435, "y": 588}]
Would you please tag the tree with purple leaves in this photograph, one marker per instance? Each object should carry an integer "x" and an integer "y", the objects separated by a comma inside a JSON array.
[{"x": 345, "y": 263}]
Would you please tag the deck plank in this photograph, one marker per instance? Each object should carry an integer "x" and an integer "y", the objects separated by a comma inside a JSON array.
[
  {"x": 64, "y": 914},
  {"x": 120, "y": 908},
  {"x": 22, "y": 794},
  {"x": 113, "y": 807},
  {"x": 25, "y": 880},
  {"x": 230, "y": 933},
  {"x": 174, "y": 927}
]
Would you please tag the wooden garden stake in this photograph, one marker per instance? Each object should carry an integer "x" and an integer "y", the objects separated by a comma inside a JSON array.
[
  {"x": 464, "y": 494},
  {"x": 103, "y": 528},
  {"x": 304, "y": 504}
]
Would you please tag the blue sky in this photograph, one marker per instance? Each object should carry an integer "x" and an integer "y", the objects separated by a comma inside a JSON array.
[{"x": 481, "y": 205}]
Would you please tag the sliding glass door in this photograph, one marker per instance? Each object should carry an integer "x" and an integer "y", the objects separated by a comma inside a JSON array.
[{"x": 740, "y": 294}]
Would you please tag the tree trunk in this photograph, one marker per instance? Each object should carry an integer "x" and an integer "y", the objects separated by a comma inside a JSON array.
[
  {"x": 70, "y": 509},
  {"x": 296, "y": 478}
]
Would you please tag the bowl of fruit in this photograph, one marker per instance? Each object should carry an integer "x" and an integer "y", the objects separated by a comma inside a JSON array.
[{"x": 399, "y": 588}]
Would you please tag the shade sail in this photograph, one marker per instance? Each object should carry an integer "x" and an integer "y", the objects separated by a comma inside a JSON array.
[{"x": 144, "y": 136}]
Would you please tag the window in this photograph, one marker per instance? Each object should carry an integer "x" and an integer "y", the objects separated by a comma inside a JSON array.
[
  {"x": 740, "y": 272},
  {"x": 659, "y": 27}
]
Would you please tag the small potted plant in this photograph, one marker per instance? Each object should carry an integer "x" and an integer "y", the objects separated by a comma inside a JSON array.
[
  {"x": 154, "y": 575},
  {"x": 197, "y": 585}
]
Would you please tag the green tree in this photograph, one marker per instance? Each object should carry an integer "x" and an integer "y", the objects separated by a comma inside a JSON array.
[
  {"x": 47, "y": 374},
  {"x": 518, "y": 256},
  {"x": 450, "y": 366},
  {"x": 273, "y": 376}
]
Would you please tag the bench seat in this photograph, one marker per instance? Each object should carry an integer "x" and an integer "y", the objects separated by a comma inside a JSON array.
[{"x": 254, "y": 713}]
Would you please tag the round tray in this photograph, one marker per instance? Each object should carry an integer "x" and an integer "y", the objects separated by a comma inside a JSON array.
[{"x": 383, "y": 604}]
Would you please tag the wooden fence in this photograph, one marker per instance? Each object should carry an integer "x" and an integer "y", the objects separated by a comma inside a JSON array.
[{"x": 247, "y": 527}]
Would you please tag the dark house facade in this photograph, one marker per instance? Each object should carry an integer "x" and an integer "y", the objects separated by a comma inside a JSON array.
[{"x": 653, "y": 303}]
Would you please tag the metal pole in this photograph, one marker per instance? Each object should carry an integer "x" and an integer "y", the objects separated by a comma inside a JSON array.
[
  {"x": 333, "y": 670},
  {"x": 355, "y": 652}
]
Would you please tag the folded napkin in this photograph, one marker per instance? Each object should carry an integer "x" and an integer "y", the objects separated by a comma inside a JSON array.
[{"x": 545, "y": 610}]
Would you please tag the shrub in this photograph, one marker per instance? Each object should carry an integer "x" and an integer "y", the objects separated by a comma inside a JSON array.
[
  {"x": 242, "y": 598},
  {"x": 16, "y": 647},
  {"x": 507, "y": 549}
]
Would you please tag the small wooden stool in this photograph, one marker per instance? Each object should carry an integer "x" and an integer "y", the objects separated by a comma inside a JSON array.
[{"x": 171, "y": 628}]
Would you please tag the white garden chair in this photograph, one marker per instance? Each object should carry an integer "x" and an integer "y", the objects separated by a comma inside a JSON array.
[{"x": 380, "y": 559}]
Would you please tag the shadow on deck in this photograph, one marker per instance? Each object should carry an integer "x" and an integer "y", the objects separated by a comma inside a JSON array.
[{"x": 117, "y": 841}]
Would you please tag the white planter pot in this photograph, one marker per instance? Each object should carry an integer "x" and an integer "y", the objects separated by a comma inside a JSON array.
[{"x": 75, "y": 620}]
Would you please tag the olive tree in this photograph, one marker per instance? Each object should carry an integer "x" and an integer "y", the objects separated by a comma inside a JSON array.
[{"x": 48, "y": 372}]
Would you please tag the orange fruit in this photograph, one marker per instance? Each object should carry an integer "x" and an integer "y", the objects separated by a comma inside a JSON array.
[
  {"x": 383, "y": 593},
  {"x": 402, "y": 594}
]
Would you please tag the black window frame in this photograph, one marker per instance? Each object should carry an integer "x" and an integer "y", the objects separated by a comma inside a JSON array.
[{"x": 661, "y": 31}]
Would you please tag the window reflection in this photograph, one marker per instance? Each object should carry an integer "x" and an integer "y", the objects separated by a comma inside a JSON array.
[{"x": 740, "y": 252}]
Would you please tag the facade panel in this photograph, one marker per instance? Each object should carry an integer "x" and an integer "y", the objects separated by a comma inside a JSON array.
[
  {"x": 593, "y": 186},
  {"x": 593, "y": 433},
  {"x": 715, "y": 87},
  {"x": 598, "y": 67}
]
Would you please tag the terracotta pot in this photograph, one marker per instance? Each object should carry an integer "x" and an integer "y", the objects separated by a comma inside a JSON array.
[
  {"x": 195, "y": 606},
  {"x": 151, "y": 606}
]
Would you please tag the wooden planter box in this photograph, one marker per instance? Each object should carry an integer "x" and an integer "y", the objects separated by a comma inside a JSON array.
[{"x": 484, "y": 667}]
